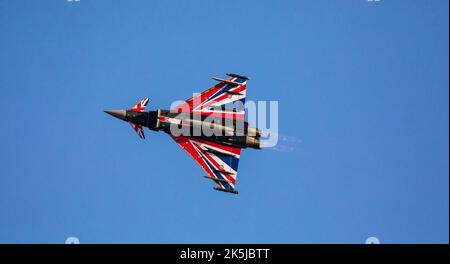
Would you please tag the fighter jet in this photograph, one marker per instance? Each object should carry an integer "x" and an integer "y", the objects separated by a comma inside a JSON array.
[{"x": 210, "y": 127}]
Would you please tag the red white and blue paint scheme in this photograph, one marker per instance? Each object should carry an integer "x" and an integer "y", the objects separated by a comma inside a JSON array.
[
  {"x": 210, "y": 127},
  {"x": 139, "y": 107}
]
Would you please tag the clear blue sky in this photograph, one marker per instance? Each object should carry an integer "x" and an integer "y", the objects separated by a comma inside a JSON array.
[{"x": 363, "y": 85}]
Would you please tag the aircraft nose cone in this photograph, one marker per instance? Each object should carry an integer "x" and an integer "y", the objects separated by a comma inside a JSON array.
[{"x": 121, "y": 114}]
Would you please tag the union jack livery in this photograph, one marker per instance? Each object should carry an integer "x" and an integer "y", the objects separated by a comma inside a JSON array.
[
  {"x": 139, "y": 107},
  {"x": 210, "y": 127}
]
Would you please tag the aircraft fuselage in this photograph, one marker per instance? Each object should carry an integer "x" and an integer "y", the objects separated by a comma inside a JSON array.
[{"x": 227, "y": 131}]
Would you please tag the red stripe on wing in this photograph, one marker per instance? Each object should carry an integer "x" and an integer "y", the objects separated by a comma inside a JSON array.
[
  {"x": 224, "y": 96},
  {"x": 217, "y": 165},
  {"x": 199, "y": 99},
  {"x": 187, "y": 145},
  {"x": 234, "y": 150}
]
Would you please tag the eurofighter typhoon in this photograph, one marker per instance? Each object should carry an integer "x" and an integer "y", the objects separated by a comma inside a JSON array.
[{"x": 210, "y": 127}]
